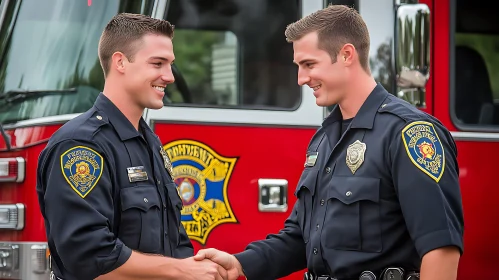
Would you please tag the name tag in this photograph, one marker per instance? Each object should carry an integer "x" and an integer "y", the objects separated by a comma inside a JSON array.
[
  {"x": 136, "y": 174},
  {"x": 311, "y": 159}
]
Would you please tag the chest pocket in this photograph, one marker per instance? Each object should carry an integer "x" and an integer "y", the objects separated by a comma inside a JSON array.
[
  {"x": 305, "y": 191},
  {"x": 141, "y": 220},
  {"x": 352, "y": 219}
]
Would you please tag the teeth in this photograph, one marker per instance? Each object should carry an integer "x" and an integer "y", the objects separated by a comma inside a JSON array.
[
  {"x": 159, "y": 88},
  {"x": 316, "y": 88}
]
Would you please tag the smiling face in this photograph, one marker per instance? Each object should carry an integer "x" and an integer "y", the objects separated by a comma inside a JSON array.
[
  {"x": 149, "y": 72},
  {"x": 316, "y": 70}
]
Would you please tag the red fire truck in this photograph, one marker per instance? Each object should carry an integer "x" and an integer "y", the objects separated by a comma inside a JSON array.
[{"x": 235, "y": 123}]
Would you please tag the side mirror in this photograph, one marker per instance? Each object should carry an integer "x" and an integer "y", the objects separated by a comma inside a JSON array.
[{"x": 412, "y": 52}]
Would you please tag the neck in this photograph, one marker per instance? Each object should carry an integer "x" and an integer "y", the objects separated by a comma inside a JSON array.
[
  {"x": 124, "y": 103},
  {"x": 356, "y": 94}
]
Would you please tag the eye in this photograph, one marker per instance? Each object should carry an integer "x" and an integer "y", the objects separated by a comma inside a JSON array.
[
  {"x": 309, "y": 65},
  {"x": 158, "y": 64}
]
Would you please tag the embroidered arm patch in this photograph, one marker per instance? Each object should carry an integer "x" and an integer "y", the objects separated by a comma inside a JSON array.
[
  {"x": 82, "y": 169},
  {"x": 424, "y": 148}
]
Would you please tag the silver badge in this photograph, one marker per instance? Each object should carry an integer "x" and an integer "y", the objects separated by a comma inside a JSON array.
[
  {"x": 168, "y": 164},
  {"x": 137, "y": 174},
  {"x": 311, "y": 159},
  {"x": 355, "y": 155}
]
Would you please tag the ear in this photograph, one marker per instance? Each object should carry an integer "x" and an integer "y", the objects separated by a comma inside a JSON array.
[
  {"x": 118, "y": 62},
  {"x": 346, "y": 55}
]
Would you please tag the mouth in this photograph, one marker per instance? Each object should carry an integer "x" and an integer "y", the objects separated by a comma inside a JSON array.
[
  {"x": 316, "y": 88},
  {"x": 159, "y": 88}
]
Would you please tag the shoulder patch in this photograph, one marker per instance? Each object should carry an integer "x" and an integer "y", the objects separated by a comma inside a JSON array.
[
  {"x": 82, "y": 168},
  {"x": 424, "y": 148}
]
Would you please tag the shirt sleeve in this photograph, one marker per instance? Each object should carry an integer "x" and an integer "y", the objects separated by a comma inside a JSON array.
[
  {"x": 278, "y": 255},
  {"x": 185, "y": 248},
  {"x": 76, "y": 192},
  {"x": 426, "y": 178}
]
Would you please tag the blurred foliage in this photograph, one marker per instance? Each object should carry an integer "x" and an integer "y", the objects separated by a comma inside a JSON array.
[{"x": 193, "y": 57}]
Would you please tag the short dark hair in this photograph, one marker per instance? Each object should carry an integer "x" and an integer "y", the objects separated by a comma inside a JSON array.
[
  {"x": 336, "y": 26},
  {"x": 124, "y": 32}
]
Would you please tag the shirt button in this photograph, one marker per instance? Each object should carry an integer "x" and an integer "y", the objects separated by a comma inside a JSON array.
[
  {"x": 322, "y": 202},
  {"x": 145, "y": 200},
  {"x": 315, "y": 251},
  {"x": 328, "y": 170},
  {"x": 349, "y": 193},
  {"x": 317, "y": 227},
  {"x": 159, "y": 182}
]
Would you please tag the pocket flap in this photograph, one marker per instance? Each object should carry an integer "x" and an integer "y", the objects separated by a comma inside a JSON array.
[
  {"x": 352, "y": 189},
  {"x": 307, "y": 180},
  {"x": 141, "y": 197}
]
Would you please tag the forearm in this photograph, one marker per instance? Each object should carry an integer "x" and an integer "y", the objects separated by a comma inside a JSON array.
[
  {"x": 141, "y": 266},
  {"x": 440, "y": 264}
]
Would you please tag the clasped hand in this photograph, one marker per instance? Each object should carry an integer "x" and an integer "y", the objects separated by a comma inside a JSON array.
[{"x": 217, "y": 264}]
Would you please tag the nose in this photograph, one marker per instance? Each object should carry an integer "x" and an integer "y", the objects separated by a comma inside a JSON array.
[
  {"x": 303, "y": 77},
  {"x": 167, "y": 76}
]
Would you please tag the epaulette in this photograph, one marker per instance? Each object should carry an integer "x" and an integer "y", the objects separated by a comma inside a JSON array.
[
  {"x": 401, "y": 109},
  {"x": 93, "y": 123}
]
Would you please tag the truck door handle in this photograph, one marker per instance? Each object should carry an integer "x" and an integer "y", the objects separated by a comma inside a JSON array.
[{"x": 273, "y": 195}]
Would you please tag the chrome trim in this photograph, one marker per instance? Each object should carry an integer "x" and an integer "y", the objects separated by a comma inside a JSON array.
[
  {"x": 19, "y": 225},
  {"x": 26, "y": 268},
  {"x": 475, "y": 136},
  {"x": 21, "y": 216},
  {"x": 21, "y": 169},
  {"x": 283, "y": 189},
  {"x": 10, "y": 251},
  {"x": 41, "y": 121},
  {"x": 412, "y": 52},
  {"x": 3, "y": 11},
  {"x": 159, "y": 9}
]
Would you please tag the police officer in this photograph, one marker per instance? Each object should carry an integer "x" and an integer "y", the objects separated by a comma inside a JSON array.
[
  {"x": 104, "y": 182},
  {"x": 379, "y": 196}
]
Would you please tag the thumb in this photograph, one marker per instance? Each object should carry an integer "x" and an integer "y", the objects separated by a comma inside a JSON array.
[{"x": 204, "y": 254}]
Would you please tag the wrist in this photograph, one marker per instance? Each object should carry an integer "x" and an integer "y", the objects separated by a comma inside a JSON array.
[{"x": 171, "y": 269}]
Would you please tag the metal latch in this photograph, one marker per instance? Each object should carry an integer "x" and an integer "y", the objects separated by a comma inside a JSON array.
[{"x": 273, "y": 195}]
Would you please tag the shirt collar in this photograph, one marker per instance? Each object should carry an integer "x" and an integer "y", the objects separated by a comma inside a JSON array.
[{"x": 121, "y": 124}]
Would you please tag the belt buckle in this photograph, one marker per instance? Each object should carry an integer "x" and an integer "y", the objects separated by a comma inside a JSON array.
[
  {"x": 393, "y": 273},
  {"x": 367, "y": 275}
]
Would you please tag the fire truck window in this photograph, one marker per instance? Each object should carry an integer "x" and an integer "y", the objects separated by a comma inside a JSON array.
[
  {"x": 51, "y": 45},
  {"x": 476, "y": 58},
  {"x": 213, "y": 50},
  {"x": 233, "y": 53}
]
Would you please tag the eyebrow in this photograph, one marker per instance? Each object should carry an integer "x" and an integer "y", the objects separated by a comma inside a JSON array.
[
  {"x": 303, "y": 61},
  {"x": 160, "y": 58}
]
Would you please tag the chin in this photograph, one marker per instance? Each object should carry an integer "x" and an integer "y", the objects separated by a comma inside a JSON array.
[
  {"x": 323, "y": 103},
  {"x": 156, "y": 106}
]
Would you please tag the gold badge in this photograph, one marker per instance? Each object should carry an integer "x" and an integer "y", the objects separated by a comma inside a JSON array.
[
  {"x": 355, "y": 155},
  {"x": 168, "y": 163}
]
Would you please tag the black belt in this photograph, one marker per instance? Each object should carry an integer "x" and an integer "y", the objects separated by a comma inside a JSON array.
[{"x": 392, "y": 273}]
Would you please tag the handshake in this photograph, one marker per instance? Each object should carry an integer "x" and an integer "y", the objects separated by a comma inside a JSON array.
[{"x": 212, "y": 264}]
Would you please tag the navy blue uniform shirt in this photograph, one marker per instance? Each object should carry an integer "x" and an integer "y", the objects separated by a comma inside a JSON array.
[
  {"x": 104, "y": 190},
  {"x": 382, "y": 194}
]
